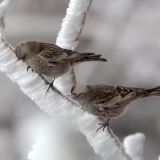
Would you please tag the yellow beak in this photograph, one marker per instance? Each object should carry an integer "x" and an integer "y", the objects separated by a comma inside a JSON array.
[{"x": 69, "y": 93}]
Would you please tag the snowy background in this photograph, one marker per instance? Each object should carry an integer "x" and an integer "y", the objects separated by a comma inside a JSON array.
[{"x": 126, "y": 32}]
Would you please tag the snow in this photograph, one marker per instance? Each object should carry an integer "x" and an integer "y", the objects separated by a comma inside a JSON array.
[{"x": 134, "y": 145}]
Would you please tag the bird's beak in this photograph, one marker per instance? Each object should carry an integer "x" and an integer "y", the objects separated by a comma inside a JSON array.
[{"x": 69, "y": 93}]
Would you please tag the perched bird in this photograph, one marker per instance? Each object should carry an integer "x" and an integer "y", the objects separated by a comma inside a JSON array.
[
  {"x": 49, "y": 59},
  {"x": 106, "y": 101}
]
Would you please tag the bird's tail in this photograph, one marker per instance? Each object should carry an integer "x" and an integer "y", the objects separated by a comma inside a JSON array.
[
  {"x": 148, "y": 92},
  {"x": 85, "y": 57},
  {"x": 154, "y": 91}
]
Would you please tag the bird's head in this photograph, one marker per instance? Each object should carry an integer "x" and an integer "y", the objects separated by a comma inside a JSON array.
[{"x": 24, "y": 50}]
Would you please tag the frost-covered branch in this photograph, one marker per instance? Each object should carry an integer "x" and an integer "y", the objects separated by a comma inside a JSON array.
[
  {"x": 104, "y": 144},
  {"x": 73, "y": 23}
]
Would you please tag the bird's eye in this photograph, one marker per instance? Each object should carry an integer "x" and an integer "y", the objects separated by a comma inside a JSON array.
[{"x": 75, "y": 94}]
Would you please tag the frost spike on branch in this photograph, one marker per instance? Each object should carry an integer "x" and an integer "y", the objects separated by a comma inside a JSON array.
[
  {"x": 134, "y": 145},
  {"x": 55, "y": 105}
]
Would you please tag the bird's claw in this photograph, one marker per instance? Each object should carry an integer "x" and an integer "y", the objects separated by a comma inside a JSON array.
[
  {"x": 48, "y": 83},
  {"x": 50, "y": 86},
  {"x": 104, "y": 125}
]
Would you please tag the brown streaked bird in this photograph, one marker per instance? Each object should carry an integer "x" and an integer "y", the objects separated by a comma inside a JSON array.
[
  {"x": 51, "y": 60},
  {"x": 106, "y": 101}
]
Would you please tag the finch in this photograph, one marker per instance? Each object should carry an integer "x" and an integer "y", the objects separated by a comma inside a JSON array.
[
  {"x": 51, "y": 60},
  {"x": 106, "y": 101}
]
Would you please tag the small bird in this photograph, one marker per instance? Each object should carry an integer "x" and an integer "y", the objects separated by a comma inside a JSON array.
[
  {"x": 51, "y": 60},
  {"x": 106, "y": 101}
]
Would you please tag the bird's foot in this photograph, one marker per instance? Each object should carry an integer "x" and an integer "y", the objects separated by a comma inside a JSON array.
[
  {"x": 104, "y": 125},
  {"x": 29, "y": 68},
  {"x": 48, "y": 83},
  {"x": 50, "y": 86}
]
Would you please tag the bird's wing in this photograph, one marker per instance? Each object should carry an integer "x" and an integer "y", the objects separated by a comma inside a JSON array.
[
  {"x": 46, "y": 61},
  {"x": 131, "y": 92},
  {"x": 55, "y": 54},
  {"x": 108, "y": 96},
  {"x": 74, "y": 56},
  {"x": 104, "y": 96},
  {"x": 126, "y": 92},
  {"x": 52, "y": 52},
  {"x": 70, "y": 53}
]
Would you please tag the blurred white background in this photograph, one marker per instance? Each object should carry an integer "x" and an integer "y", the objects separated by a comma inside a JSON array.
[{"x": 126, "y": 32}]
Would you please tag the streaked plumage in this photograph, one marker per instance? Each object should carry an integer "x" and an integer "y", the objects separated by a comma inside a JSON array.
[
  {"x": 49, "y": 59},
  {"x": 106, "y": 101}
]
